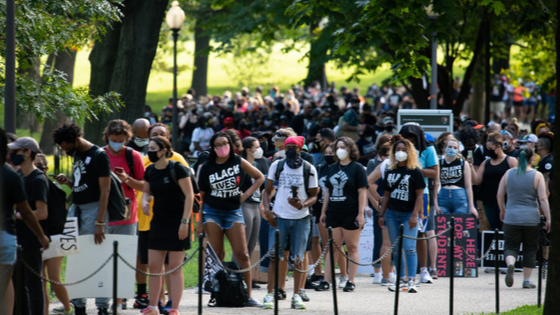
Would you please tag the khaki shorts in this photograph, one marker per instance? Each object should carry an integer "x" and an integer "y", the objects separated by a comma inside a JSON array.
[{"x": 497, "y": 107}]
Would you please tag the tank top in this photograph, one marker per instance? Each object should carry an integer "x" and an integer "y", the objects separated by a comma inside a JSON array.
[
  {"x": 491, "y": 180},
  {"x": 522, "y": 207},
  {"x": 189, "y": 128},
  {"x": 452, "y": 173}
]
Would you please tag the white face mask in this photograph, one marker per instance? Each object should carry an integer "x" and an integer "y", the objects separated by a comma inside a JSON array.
[
  {"x": 282, "y": 154},
  {"x": 258, "y": 153},
  {"x": 368, "y": 139},
  {"x": 341, "y": 154},
  {"x": 401, "y": 156}
]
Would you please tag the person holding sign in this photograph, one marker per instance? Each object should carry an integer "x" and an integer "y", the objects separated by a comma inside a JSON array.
[
  {"x": 403, "y": 201},
  {"x": 525, "y": 189}
]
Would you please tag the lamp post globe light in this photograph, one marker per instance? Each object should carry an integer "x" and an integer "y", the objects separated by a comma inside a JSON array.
[
  {"x": 432, "y": 15},
  {"x": 175, "y": 18}
]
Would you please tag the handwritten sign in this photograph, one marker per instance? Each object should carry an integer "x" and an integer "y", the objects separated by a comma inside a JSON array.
[
  {"x": 466, "y": 232},
  {"x": 64, "y": 244},
  {"x": 490, "y": 260}
]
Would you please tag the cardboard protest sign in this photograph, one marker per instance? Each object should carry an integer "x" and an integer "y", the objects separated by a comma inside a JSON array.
[
  {"x": 466, "y": 233},
  {"x": 64, "y": 244}
]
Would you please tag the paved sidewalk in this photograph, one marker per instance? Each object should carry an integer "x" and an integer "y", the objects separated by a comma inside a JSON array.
[{"x": 472, "y": 295}]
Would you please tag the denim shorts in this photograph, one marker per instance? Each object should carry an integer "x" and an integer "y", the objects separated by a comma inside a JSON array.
[
  {"x": 298, "y": 231},
  {"x": 453, "y": 201},
  {"x": 223, "y": 218},
  {"x": 7, "y": 248}
]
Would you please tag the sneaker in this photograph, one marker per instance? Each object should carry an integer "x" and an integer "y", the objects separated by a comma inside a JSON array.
[
  {"x": 173, "y": 312},
  {"x": 297, "y": 302},
  {"x": 60, "y": 310},
  {"x": 124, "y": 306},
  {"x": 322, "y": 286},
  {"x": 268, "y": 302},
  {"x": 433, "y": 274},
  {"x": 252, "y": 302},
  {"x": 315, "y": 278},
  {"x": 349, "y": 287},
  {"x": 377, "y": 279},
  {"x": 149, "y": 311},
  {"x": 102, "y": 311},
  {"x": 281, "y": 294},
  {"x": 203, "y": 291},
  {"x": 79, "y": 310},
  {"x": 527, "y": 284},
  {"x": 141, "y": 301},
  {"x": 425, "y": 277},
  {"x": 386, "y": 282},
  {"x": 412, "y": 286},
  {"x": 255, "y": 285},
  {"x": 342, "y": 281},
  {"x": 303, "y": 295},
  {"x": 509, "y": 275},
  {"x": 161, "y": 308},
  {"x": 403, "y": 286},
  {"x": 167, "y": 306}
]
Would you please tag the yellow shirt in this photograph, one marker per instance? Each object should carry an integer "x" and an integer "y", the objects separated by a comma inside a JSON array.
[{"x": 144, "y": 220}]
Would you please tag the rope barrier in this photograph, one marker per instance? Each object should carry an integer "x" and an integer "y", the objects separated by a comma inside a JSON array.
[
  {"x": 66, "y": 284},
  {"x": 471, "y": 257},
  {"x": 395, "y": 243},
  {"x": 161, "y": 274},
  {"x": 312, "y": 266},
  {"x": 429, "y": 237},
  {"x": 267, "y": 255}
]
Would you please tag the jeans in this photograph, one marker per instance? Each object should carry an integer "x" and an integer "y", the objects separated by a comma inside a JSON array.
[
  {"x": 493, "y": 216},
  {"x": 263, "y": 243},
  {"x": 377, "y": 238},
  {"x": 223, "y": 218},
  {"x": 33, "y": 302},
  {"x": 298, "y": 230},
  {"x": 87, "y": 214},
  {"x": 453, "y": 201},
  {"x": 393, "y": 220}
]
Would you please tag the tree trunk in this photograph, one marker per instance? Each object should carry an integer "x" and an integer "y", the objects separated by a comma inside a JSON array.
[
  {"x": 317, "y": 55},
  {"x": 551, "y": 300},
  {"x": 201, "y": 51},
  {"x": 419, "y": 93},
  {"x": 28, "y": 120},
  {"x": 63, "y": 61},
  {"x": 128, "y": 74},
  {"x": 477, "y": 98}
]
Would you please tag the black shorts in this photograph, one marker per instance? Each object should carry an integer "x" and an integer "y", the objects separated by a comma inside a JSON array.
[
  {"x": 143, "y": 237},
  {"x": 345, "y": 220}
]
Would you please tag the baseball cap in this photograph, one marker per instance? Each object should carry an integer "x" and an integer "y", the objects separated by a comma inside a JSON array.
[
  {"x": 260, "y": 134},
  {"x": 25, "y": 143},
  {"x": 473, "y": 124},
  {"x": 530, "y": 138},
  {"x": 388, "y": 120}
]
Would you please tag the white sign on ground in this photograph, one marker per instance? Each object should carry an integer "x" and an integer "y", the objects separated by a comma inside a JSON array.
[
  {"x": 91, "y": 258},
  {"x": 366, "y": 247}
]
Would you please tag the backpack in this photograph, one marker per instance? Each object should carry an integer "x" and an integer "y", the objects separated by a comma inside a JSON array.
[
  {"x": 306, "y": 173},
  {"x": 228, "y": 288},
  {"x": 118, "y": 206},
  {"x": 197, "y": 199},
  {"x": 56, "y": 207},
  {"x": 129, "y": 159}
]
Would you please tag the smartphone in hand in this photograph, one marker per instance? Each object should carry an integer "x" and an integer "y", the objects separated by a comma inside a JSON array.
[{"x": 118, "y": 170}]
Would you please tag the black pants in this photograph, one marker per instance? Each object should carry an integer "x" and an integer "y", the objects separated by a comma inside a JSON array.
[{"x": 33, "y": 302}]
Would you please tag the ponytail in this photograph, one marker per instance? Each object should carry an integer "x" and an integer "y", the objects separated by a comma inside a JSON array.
[{"x": 524, "y": 157}]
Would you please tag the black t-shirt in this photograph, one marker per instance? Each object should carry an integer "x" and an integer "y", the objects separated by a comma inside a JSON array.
[
  {"x": 264, "y": 165},
  {"x": 365, "y": 148},
  {"x": 247, "y": 181},
  {"x": 37, "y": 189},
  {"x": 168, "y": 196},
  {"x": 403, "y": 197},
  {"x": 142, "y": 150},
  {"x": 307, "y": 157},
  {"x": 86, "y": 172},
  {"x": 13, "y": 193},
  {"x": 220, "y": 182},
  {"x": 343, "y": 183},
  {"x": 545, "y": 166},
  {"x": 323, "y": 171},
  {"x": 479, "y": 155}
]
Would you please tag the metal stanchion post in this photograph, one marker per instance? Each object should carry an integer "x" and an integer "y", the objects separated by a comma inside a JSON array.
[
  {"x": 451, "y": 265},
  {"x": 333, "y": 276},
  {"x": 497, "y": 269},
  {"x": 18, "y": 306},
  {"x": 115, "y": 274},
  {"x": 398, "y": 278},
  {"x": 200, "y": 270},
  {"x": 276, "y": 268}
]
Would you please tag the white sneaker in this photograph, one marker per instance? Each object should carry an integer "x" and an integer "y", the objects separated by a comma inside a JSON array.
[
  {"x": 203, "y": 291},
  {"x": 412, "y": 286},
  {"x": 377, "y": 279},
  {"x": 342, "y": 281},
  {"x": 268, "y": 302},
  {"x": 425, "y": 277}
]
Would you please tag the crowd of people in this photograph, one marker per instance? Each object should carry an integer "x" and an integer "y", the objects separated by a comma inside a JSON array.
[{"x": 297, "y": 163}]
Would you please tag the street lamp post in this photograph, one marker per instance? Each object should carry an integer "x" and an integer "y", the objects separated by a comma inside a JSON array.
[
  {"x": 175, "y": 18},
  {"x": 433, "y": 87},
  {"x": 10, "y": 70}
]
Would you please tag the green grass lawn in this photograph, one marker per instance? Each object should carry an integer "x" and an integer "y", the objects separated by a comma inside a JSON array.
[{"x": 523, "y": 310}]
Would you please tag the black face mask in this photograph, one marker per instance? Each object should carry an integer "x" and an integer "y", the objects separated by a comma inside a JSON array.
[
  {"x": 491, "y": 153},
  {"x": 293, "y": 159},
  {"x": 153, "y": 156},
  {"x": 389, "y": 128},
  {"x": 329, "y": 159},
  {"x": 264, "y": 145},
  {"x": 42, "y": 168}
]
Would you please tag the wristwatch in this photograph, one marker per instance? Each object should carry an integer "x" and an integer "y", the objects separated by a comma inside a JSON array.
[{"x": 184, "y": 221}]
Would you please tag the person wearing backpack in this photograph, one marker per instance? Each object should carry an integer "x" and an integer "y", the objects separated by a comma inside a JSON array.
[
  {"x": 169, "y": 183},
  {"x": 23, "y": 153},
  {"x": 91, "y": 186},
  {"x": 219, "y": 180},
  {"x": 290, "y": 215}
]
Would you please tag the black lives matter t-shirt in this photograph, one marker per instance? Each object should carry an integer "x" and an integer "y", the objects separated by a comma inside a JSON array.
[
  {"x": 13, "y": 193},
  {"x": 220, "y": 182},
  {"x": 343, "y": 183},
  {"x": 37, "y": 189},
  {"x": 403, "y": 196},
  {"x": 88, "y": 167}
]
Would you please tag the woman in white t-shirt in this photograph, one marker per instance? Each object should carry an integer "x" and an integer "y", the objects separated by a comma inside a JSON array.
[{"x": 201, "y": 136}]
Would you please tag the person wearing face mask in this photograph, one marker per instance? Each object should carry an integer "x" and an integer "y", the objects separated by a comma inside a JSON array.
[
  {"x": 508, "y": 145},
  {"x": 168, "y": 182},
  {"x": 187, "y": 125},
  {"x": 530, "y": 141},
  {"x": 343, "y": 209},
  {"x": 402, "y": 202},
  {"x": 456, "y": 194},
  {"x": 219, "y": 181},
  {"x": 323, "y": 138},
  {"x": 140, "y": 139},
  {"x": 201, "y": 136},
  {"x": 366, "y": 146},
  {"x": 544, "y": 149},
  {"x": 488, "y": 176},
  {"x": 388, "y": 129},
  {"x": 91, "y": 184}
]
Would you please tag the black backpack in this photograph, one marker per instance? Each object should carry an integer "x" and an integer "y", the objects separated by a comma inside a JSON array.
[
  {"x": 306, "y": 172},
  {"x": 118, "y": 206},
  {"x": 228, "y": 288},
  {"x": 56, "y": 207}
]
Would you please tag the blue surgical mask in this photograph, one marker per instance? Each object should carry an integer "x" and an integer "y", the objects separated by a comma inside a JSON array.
[
  {"x": 116, "y": 146},
  {"x": 141, "y": 142},
  {"x": 451, "y": 152}
]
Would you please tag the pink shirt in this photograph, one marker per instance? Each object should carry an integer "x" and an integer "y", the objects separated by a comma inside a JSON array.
[{"x": 130, "y": 193}]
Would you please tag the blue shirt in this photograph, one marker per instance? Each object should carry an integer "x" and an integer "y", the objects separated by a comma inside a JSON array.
[{"x": 427, "y": 159}]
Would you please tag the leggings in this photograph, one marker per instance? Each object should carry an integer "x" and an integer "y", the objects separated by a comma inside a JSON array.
[{"x": 252, "y": 219}]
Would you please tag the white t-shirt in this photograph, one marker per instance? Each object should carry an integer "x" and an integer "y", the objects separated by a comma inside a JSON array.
[
  {"x": 203, "y": 136},
  {"x": 290, "y": 177},
  {"x": 383, "y": 166}
]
